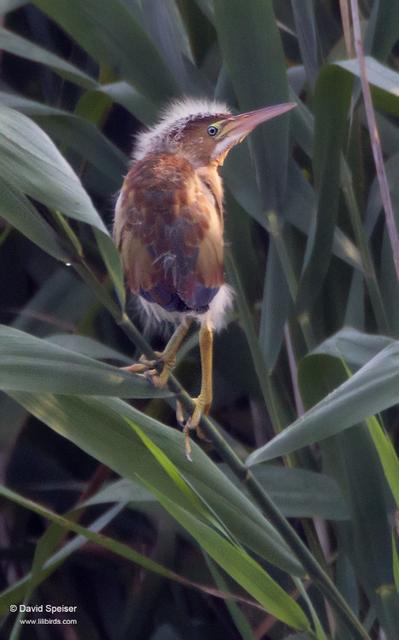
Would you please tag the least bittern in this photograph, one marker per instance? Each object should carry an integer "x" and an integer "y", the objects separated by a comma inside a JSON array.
[{"x": 169, "y": 229}]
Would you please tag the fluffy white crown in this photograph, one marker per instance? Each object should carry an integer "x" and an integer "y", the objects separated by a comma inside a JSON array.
[{"x": 181, "y": 110}]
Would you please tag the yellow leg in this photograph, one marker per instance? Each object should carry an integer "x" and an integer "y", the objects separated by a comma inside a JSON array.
[
  {"x": 204, "y": 400},
  {"x": 159, "y": 370}
]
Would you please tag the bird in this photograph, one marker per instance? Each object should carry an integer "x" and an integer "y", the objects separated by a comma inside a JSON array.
[{"x": 168, "y": 228}]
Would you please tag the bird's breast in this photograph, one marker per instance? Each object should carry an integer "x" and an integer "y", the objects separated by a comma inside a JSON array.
[{"x": 169, "y": 228}]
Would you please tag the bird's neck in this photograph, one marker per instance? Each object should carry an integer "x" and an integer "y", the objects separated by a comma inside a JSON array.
[{"x": 210, "y": 176}]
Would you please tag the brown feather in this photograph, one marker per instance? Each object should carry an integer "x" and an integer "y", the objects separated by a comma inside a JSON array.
[{"x": 169, "y": 226}]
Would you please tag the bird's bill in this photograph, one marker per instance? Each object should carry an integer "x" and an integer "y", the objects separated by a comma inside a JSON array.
[{"x": 238, "y": 127}]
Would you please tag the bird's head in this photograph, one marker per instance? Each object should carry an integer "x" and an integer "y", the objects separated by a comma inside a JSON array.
[{"x": 201, "y": 131}]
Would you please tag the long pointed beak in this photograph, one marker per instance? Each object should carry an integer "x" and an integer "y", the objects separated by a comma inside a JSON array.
[{"x": 238, "y": 127}]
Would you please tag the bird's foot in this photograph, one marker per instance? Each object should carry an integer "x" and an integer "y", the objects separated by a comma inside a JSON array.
[
  {"x": 201, "y": 408},
  {"x": 156, "y": 371}
]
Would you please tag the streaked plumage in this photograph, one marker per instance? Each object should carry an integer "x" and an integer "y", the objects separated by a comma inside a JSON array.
[
  {"x": 169, "y": 220},
  {"x": 171, "y": 239},
  {"x": 169, "y": 224}
]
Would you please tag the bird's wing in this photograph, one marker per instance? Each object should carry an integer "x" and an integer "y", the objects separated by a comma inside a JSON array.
[{"x": 170, "y": 235}]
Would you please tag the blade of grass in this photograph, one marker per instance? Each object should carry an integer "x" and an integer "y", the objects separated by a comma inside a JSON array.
[
  {"x": 241, "y": 471},
  {"x": 395, "y": 561},
  {"x": 276, "y": 306},
  {"x": 305, "y": 22},
  {"x": 164, "y": 23},
  {"x": 374, "y": 203},
  {"x": 318, "y": 627},
  {"x": 367, "y": 537},
  {"x": 77, "y": 133},
  {"x": 84, "y": 534},
  {"x": 21, "y": 214},
  {"x": 19, "y": 46},
  {"x": 196, "y": 503},
  {"x": 375, "y": 138},
  {"x": 257, "y": 84},
  {"x": 238, "y": 617},
  {"x": 387, "y": 454},
  {"x": 370, "y": 390},
  {"x": 346, "y": 26},
  {"x": 263, "y": 374},
  {"x": 355, "y": 307},
  {"x": 32, "y": 164},
  {"x": 299, "y": 204},
  {"x": 300, "y": 493},
  {"x": 330, "y": 135},
  {"x": 354, "y": 347},
  {"x": 98, "y": 426},
  {"x": 239, "y": 565},
  {"x": 87, "y": 346},
  {"x": 258, "y": 494},
  {"x": 134, "y": 102},
  {"x": 386, "y": 30},
  {"x": 389, "y": 284},
  {"x": 116, "y": 41},
  {"x": 277, "y": 602},
  {"x": 44, "y": 549},
  {"x": 32, "y": 364},
  {"x": 363, "y": 246}
]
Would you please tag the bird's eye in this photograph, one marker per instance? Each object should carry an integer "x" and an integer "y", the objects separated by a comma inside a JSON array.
[{"x": 212, "y": 130}]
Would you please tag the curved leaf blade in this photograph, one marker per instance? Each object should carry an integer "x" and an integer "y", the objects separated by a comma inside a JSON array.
[
  {"x": 372, "y": 389},
  {"x": 76, "y": 133},
  {"x": 99, "y": 427},
  {"x": 239, "y": 565},
  {"x": 19, "y": 46},
  {"x": 31, "y": 163},
  {"x": 257, "y": 84},
  {"x": 35, "y": 365},
  {"x": 383, "y": 80},
  {"x": 300, "y": 493},
  {"x": 91, "y": 533},
  {"x": 330, "y": 131},
  {"x": 387, "y": 454},
  {"x": 87, "y": 346},
  {"x": 354, "y": 347},
  {"x": 21, "y": 214},
  {"x": 111, "y": 35}
]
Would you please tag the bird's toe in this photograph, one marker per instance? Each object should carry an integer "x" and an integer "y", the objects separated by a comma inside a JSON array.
[{"x": 201, "y": 408}]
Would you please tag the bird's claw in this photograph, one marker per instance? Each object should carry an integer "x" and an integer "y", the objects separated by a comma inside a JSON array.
[
  {"x": 192, "y": 422},
  {"x": 157, "y": 379},
  {"x": 155, "y": 371}
]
